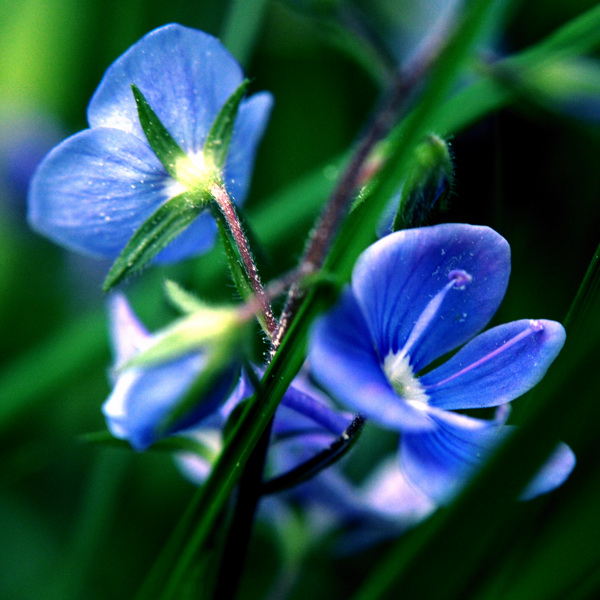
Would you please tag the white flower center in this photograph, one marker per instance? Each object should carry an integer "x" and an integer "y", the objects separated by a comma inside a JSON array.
[
  {"x": 192, "y": 171},
  {"x": 400, "y": 375},
  {"x": 397, "y": 366}
]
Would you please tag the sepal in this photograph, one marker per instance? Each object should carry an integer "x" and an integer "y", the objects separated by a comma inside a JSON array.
[
  {"x": 214, "y": 329},
  {"x": 172, "y": 218},
  {"x": 217, "y": 142},
  {"x": 181, "y": 299},
  {"x": 167, "y": 150},
  {"x": 428, "y": 182}
]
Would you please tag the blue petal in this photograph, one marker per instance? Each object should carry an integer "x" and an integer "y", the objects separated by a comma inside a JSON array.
[
  {"x": 496, "y": 367},
  {"x": 142, "y": 399},
  {"x": 186, "y": 76},
  {"x": 396, "y": 279},
  {"x": 93, "y": 191},
  {"x": 553, "y": 473},
  {"x": 249, "y": 128},
  {"x": 344, "y": 362},
  {"x": 128, "y": 334},
  {"x": 439, "y": 462},
  {"x": 251, "y": 122}
]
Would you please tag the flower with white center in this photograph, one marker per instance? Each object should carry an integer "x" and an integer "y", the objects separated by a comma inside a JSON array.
[
  {"x": 94, "y": 190},
  {"x": 417, "y": 295},
  {"x": 144, "y": 396}
]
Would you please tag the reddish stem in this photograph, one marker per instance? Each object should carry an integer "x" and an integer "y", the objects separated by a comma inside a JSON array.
[{"x": 227, "y": 208}]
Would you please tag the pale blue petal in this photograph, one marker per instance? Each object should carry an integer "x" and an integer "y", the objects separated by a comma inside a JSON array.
[
  {"x": 496, "y": 367},
  {"x": 344, "y": 362},
  {"x": 142, "y": 399},
  {"x": 249, "y": 128},
  {"x": 396, "y": 278},
  {"x": 553, "y": 473},
  {"x": 93, "y": 191},
  {"x": 304, "y": 408},
  {"x": 440, "y": 461},
  {"x": 186, "y": 76},
  {"x": 128, "y": 335}
]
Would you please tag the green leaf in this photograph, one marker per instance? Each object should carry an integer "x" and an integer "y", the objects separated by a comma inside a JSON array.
[
  {"x": 206, "y": 329},
  {"x": 206, "y": 507},
  {"x": 240, "y": 279},
  {"x": 170, "y": 445},
  {"x": 358, "y": 231},
  {"x": 216, "y": 145},
  {"x": 162, "y": 143},
  {"x": 173, "y": 217},
  {"x": 181, "y": 299}
]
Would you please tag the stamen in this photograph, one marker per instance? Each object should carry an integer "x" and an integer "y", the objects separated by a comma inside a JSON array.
[
  {"x": 399, "y": 373},
  {"x": 458, "y": 280},
  {"x": 534, "y": 327}
]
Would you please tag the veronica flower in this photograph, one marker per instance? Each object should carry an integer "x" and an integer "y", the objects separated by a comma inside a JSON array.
[
  {"x": 144, "y": 396},
  {"x": 305, "y": 424},
  {"x": 415, "y": 296},
  {"x": 93, "y": 191}
]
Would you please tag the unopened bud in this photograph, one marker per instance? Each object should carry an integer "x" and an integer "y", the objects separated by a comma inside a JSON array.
[{"x": 427, "y": 185}]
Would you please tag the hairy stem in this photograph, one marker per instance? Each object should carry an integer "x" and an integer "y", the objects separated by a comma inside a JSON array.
[
  {"x": 229, "y": 213},
  {"x": 395, "y": 104}
]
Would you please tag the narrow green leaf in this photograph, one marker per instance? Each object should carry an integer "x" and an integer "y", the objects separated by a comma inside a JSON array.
[
  {"x": 210, "y": 500},
  {"x": 216, "y": 145},
  {"x": 162, "y": 143},
  {"x": 358, "y": 231},
  {"x": 181, "y": 299},
  {"x": 236, "y": 269},
  {"x": 170, "y": 445},
  {"x": 586, "y": 299},
  {"x": 242, "y": 26},
  {"x": 155, "y": 234}
]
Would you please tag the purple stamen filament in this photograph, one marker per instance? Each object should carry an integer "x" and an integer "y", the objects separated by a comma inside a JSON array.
[{"x": 534, "y": 327}]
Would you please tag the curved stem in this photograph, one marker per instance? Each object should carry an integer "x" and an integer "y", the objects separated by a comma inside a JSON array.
[
  {"x": 227, "y": 208},
  {"x": 398, "y": 100}
]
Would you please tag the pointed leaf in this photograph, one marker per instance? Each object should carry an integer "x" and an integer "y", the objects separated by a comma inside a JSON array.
[
  {"x": 162, "y": 143},
  {"x": 238, "y": 274},
  {"x": 218, "y": 328},
  {"x": 181, "y": 299},
  {"x": 219, "y": 136},
  {"x": 155, "y": 234}
]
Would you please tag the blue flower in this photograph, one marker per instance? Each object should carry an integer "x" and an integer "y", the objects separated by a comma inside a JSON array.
[
  {"x": 415, "y": 296},
  {"x": 93, "y": 191},
  {"x": 305, "y": 423},
  {"x": 143, "y": 397}
]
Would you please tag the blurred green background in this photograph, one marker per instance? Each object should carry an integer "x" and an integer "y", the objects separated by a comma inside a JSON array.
[{"x": 81, "y": 521}]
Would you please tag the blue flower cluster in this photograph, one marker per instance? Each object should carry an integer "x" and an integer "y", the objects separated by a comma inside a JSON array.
[
  {"x": 93, "y": 191},
  {"x": 417, "y": 296}
]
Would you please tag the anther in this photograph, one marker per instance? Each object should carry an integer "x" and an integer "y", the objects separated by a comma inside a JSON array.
[
  {"x": 536, "y": 325},
  {"x": 461, "y": 278}
]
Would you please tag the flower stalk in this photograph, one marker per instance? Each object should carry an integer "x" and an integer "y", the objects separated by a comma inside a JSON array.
[{"x": 228, "y": 211}]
